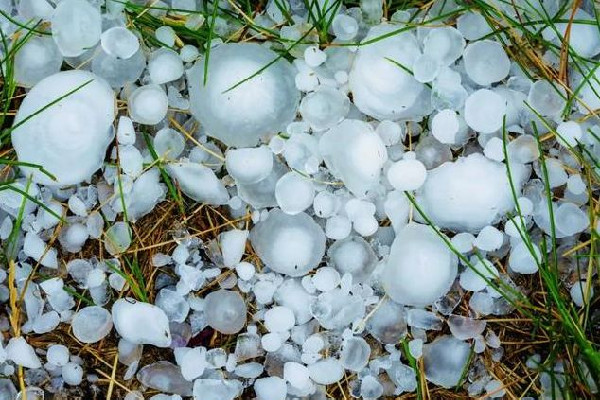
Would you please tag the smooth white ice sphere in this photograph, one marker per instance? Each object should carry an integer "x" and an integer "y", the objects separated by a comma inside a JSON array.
[
  {"x": 232, "y": 245},
  {"x": 420, "y": 268},
  {"x": 119, "y": 42},
  {"x": 125, "y": 131},
  {"x": 271, "y": 342},
  {"x": 569, "y": 133},
  {"x": 58, "y": 354},
  {"x": 164, "y": 66},
  {"x": 245, "y": 270},
  {"x": 579, "y": 293},
  {"x": 297, "y": 375},
  {"x": 72, "y": 374},
  {"x": 289, "y": 244},
  {"x": 425, "y": 68},
  {"x": 489, "y": 239},
  {"x": 313, "y": 56},
  {"x": 193, "y": 363},
  {"x": 355, "y": 353},
  {"x": 248, "y": 166},
  {"x": 570, "y": 219},
  {"x": 225, "y": 311},
  {"x": 494, "y": 149},
  {"x": 22, "y": 353},
  {"x": 279, "y": 319},
  {"x": 168, "y": 143},
  {"x": 118, "y": 238},
  {"x": 359, "y": 161},
  {"x": 545, "y": 98},
  {"x": 36, "y": 59},
  {"x": 524, "y": 260},
  {"x": 148, "y": 104},
  {"x": 576, "y": 185},
  {"x": 326, "y": 372},
  {"x": 36, "y": 248},
  {"x": 353, "y": 255},
  {"x": 380, "y": 87},
  {"x": 486, "y": 62},
  {"x": 76, "y": 26},
  {"x": 407, "y": 174},
  {"x": 263, "y": 102},
  {"x": 390, "y": 132},
  {"x": 294, "y": 193},
  {"x": 445, "y": 126},
  {"x": 91, "y": 324},
  {"x": 444, "y": 44},
  {"x": 467, "y": 194},
  {"x": 271, "y": 388},
  {"x": 324, "y": 108},
  {"x": 445, "y": 361},
  {"x": 166, "y": 35},
  {"x": 344, "y": 27},
  {"x": 473, "y": 25},
  {"x": 141, "y": 323},
  {"x": 199, "y": 183},
  {"x": 484, "y": 111},
  {"x": 73, "y": 131}
]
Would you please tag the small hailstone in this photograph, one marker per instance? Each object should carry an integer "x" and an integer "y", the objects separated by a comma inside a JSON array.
[
  {"x": 22, "y": 353},
  {"x": 76, "y": 26},
  {"x": 569, "y": 133},
  {"x": 344, "y": 27},
  {"x": 486, "y": 62},
  {"x": 484, "y": 111},
  {"x": 125, "y": 131},
  {"x": 251, "y": 165},
  {"x": 271, "y": 388},
  {"x": 148, "y": 105},
  {"x": 355, "y": 354},
  {"x": 494, "y": 149},
  {"x": 271, "y": 342},
  {"x": 297, "y": 375},
  {"x": 95, "y": 278},
  {"x": 117, "y": 281},
  {"x": 165, "y": 35},
  {"x": 58, "y": 354},
  {"x": 306, "y": 81},
  {"x": 189, "y": 53},
  {"x": 164, "y": 65},
  {"x": 444, "y": 45},
  {"x": 324, "y": 108},
  {"x": 473, "y": 25},
  {"x": 415, "y": 347},
  {"x": 570, "y": 219},
  {"x": 168, "y": 144},
  {"x": 36, "y": 59},
  {"x": 35, "y": 248},
  {"x": 91, "y": 324},
  {"x": 325, "y": 204},
  {"x": 407, "y": 175},
  {"x": 390, "y": 132},
  {"x": 225, "y": 311},
  {"x": 326, "y": 279},
  {"x": 489, "y": 239},
  {"x": 232, "y": 244},
  {"x": 294, "y": 193},
  {"x": 576, "y": 185},
  {"x": 578, "y": 293},
  {"x": 445, "y": 126},
  {"x": 445, "y": 360},
  {"x": 425, "y": 68},
  {"x": 245, "y": 270},
  {"x": 72, "y": 374},
  {"x": 313, "y": 56},
  {"x": 129, "y": 315},
  {"x": 522, "y": 261},
  {"x": 338, "y": 227},
  {"x": 279, "y": 319},
  {"x": 193, "y": 363},
  {"x": 119, "y": 42},
  {"x": 464, "y": 328},
  {"x": 118, "y": 238},
  {"x": 199, "y": 182},
  {"x": 365, "y": 225},
  {"x": 544, "y": 98},
  {"x": 326, "y": 371},
  {"x": 475, "y": 278}
]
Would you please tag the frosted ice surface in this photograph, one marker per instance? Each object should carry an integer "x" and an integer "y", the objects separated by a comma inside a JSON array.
[
  {"x": 76, "y": 26},
  {"x": 141, "y": 323},
  {"x": 353, "y": 255},
  {"x": 199, "y": 182},
  {"x": 164, "y": 66},
  {"x": 324, "y": 108},
  {"x": 294, "y": 193},
  {"x": 233, "y": 244},
  {"x": 445, "y": 360},
  {"x": 407, "y": 174},
  {"x": 74, "y": 131},
  {"x": 355, "y": 353},
  {"x": 248, "y": 166},
  {"x": 148, "y": 105},
  {"x": 486, "y": 62},
  {"x": 225, "y": 311},
  {"x": 119, "y": 41},
  {"x": 484, "y": 111},
  {"x": 420, "y": 268},
  {"x": 444, "y": 44},
  {"x": 271, "y": 388},
  {"x": 289, "y": 244},
  {"x": 118, "y": 238},
  {"x": 326, "y": 371},
  {"x": 37, "y": 59},
  {"x": 258, "y": 106},
  {"x": 22, "y": 353},
  {"x": 58, "y": 354},
  {"x": 91, "y": 324}
]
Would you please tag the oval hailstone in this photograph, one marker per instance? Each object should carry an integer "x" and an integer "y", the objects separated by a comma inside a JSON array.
[
  {"x": 141, "y": 323},
  {"x": 91, "y": 324},
  {"x": 289, "y": 244},
  {"x": 420, "y": 268},
  {"x": 75, "y": 131},
  {"x": 76, "y": 26},
  {"x": 484, "y": 111},
  {"x": 260, "y": 105},
  {"x": 225, "y": 311},
  {"x": 379, "y": 86}
]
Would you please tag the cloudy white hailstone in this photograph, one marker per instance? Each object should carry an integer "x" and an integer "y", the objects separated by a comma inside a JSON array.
[
  {"x": 271, "y": 388},
  {"x": 570, "y": 219},
  {"x": 580, "y": 291},
  {"x": 407, "y": 174},
  {"x": 289, "y": 244},
  {"x": 259, "y": 105},
  {"x": 569, "y": 133},
  {"x": 325, "y": 204},
  {"x": 58, "y": 354},
  {"x": 326, "y": 371},
  {"x": 420, "y": 268},
  {"x": 590, "y": 86},
  {"x": 119, "y": 42},
  {"x": 72, "y": 374},
  {"x": 326, "y": 279},
  {"x": 390, "y": 132},
  {"x": 297, "y": 375},
  {"x": 494, "y": 149},
  {"x": 380, "y": 87},
  {"x": 118, "y": 238},
  {"x": 467, "y": 194},
  {"x": 324, "y": 108},
  {"x": 35, "y": 248},
  {"x": 473, "y": 25},
  {"x": 168, "y": 143},
  {"x": 245, "y": 270},
  {"x": 521, "y": 259},
  {"x": 489, "y": 239},
  {"x": 118, "y": 71},
  {"x": 484, "y": 111},
  {"x": 293, "y": 295},
  {"x": 476, "y": 276},
  {"x": 546, "y": 99},
  {"x": 344, "y": 27},
  {"x": 583, "y": 39},
  {"x": 225, "y": 311},
  {"x": 164, "y": 66},
  {"x": 445, "y": 126},
  {"x": 38, "y": 58},
  {"x": 249, "y": 165},
  {"x": 486, "y": 62},
  {"x": 74, "y": 131},
  {"x": 444, "y": 44},
  {"x": 445, "y": 360},
  {"x": 193, "y": 363},
  {"x": 22, "y": 353},
  {"x": 217, "y": 389},
  {"x": 353, "y": 255},
  {"x": 91, "y": 324},
  {"x": 198, "y": 182},
  {"x": 166, "y": 35},
  {"x": 355, "y": 353},
  {"x": 141, "y": 323},
  {"x": 358, "y": 163},
  {"x": 279, "y": 319},
  {"x": 148, "y": 104},
  {"x": 294, "y": 193},
  {"x": 425, "y": 68},
  {"x": 313, "y": 56},
  {"x": 337, "y": 308},
  {"x": 232, "y": 245},
  {"x": 76, "y": 26}
]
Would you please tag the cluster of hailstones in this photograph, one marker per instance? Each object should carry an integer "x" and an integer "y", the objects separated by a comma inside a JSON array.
[{"x": 321, "y": 175}]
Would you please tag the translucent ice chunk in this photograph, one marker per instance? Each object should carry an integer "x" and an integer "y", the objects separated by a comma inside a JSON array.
[
  {"x": 148, "y": 105},
  {"x": 37, "y": 59},
  {"x": 76, "y": 26},
  {"x": 91, "y": 324},
  {"x": 199, "y": 182},
  {"x": 445, "y": 360},
  {"x": 484, "y": 111},
  {"x": 324, "y": 108},
  {"x": 141, "y": 323},
  {"x": 486, "y": 62},
  {"x": 225, "y": 311},
  {"x": 119, "y": 42}
]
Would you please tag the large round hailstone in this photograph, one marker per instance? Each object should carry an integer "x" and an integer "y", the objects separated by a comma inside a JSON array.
[
  {"x": 380, "y": 87},
  {"x": 91, "y": 324},
  {"x": 467, "y": 194},
  {"x": 289, "y": 244},
  {"x": 359, "y": 160},
  {"x": 486, "y": 62},
  {"x": 225, "y": 311},
  {"x": 76, "y": 26},
  {"x": 69, "y": 139},
  {"x": 263, "y": 102},
  {"x": 484, "y": 111},
  {"x": 420, "y": 268},
  {"x": 353, "y": 255}
]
